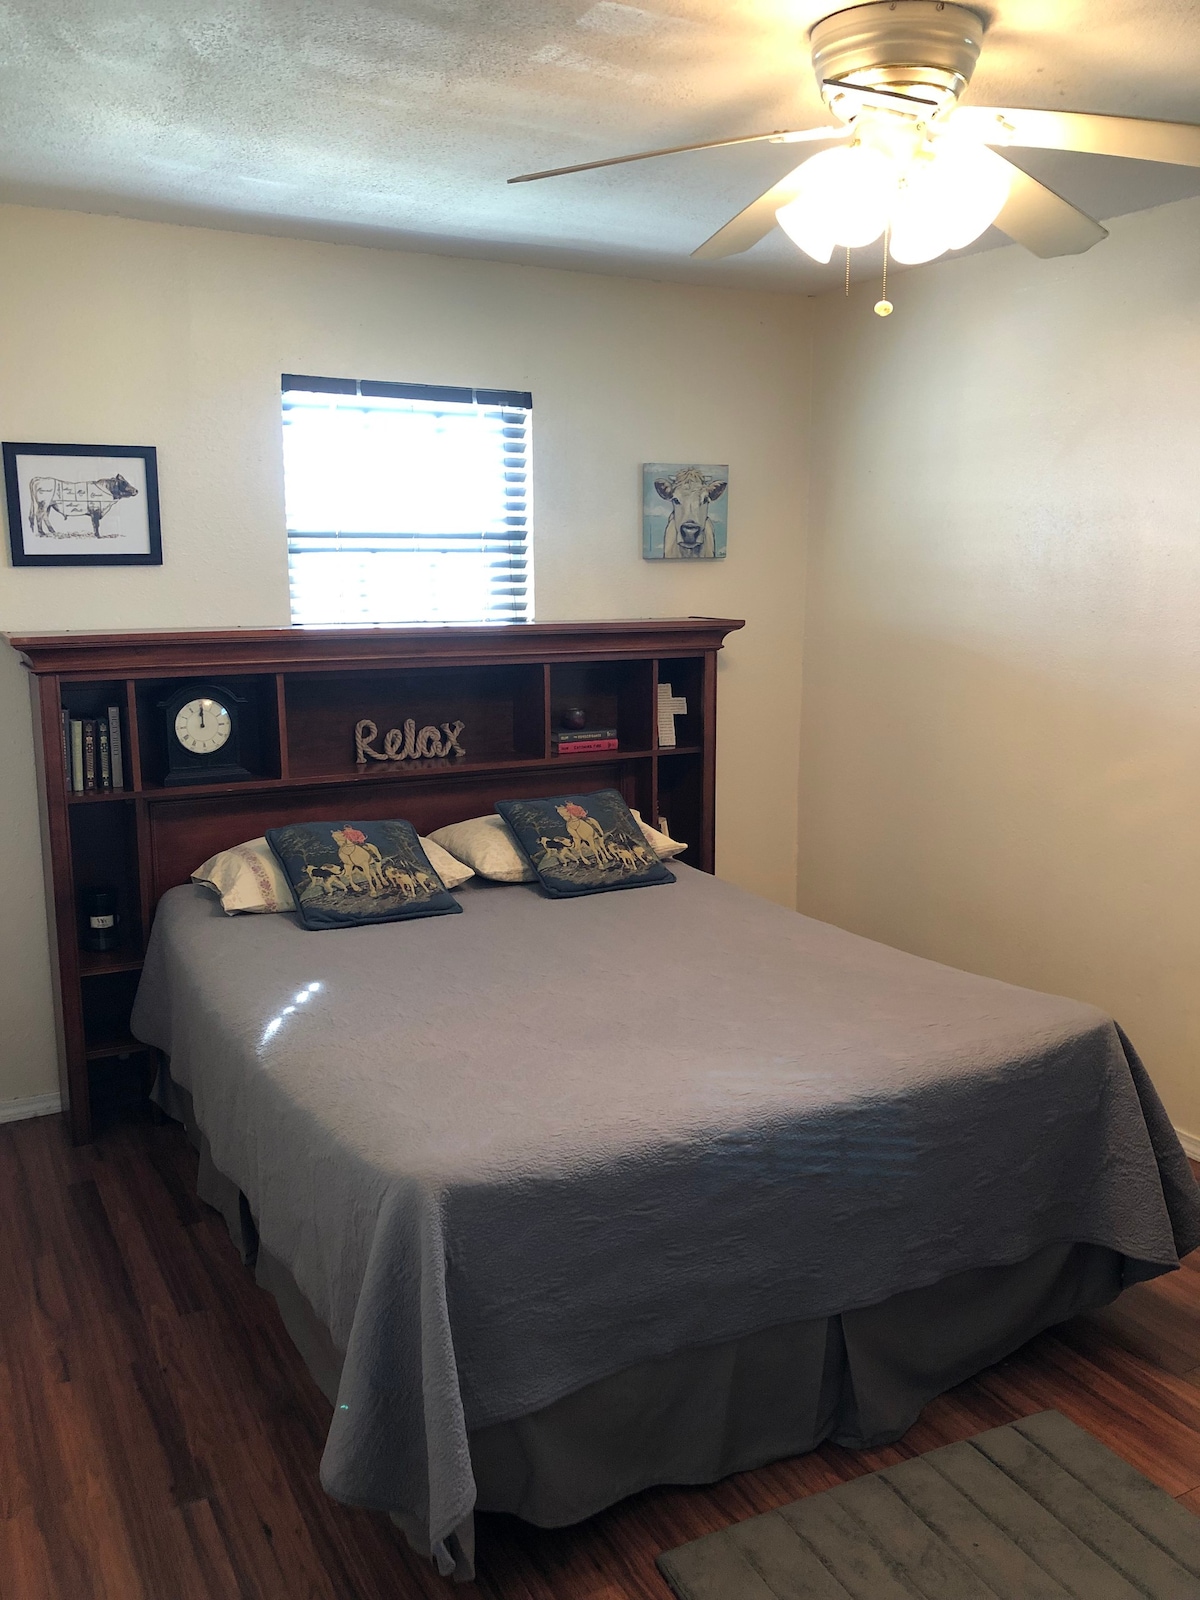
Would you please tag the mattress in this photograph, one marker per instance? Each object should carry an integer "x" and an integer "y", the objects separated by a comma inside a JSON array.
[{"x": 507, "y": 1155}]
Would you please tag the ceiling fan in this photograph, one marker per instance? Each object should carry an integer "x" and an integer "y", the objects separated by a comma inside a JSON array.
[{"x": 903, "y": 160}]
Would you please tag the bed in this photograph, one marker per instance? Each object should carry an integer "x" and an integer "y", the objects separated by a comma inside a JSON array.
[{"x": 562, "y": 1199}]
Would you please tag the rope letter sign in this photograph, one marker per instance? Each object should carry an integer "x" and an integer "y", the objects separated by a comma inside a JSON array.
[{"x": 407, "y": 743}]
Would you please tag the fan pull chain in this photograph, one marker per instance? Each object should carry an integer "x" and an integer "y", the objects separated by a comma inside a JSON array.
[
  {"x": 847, "y": 271},
  {"x": 883, "y": 307}
]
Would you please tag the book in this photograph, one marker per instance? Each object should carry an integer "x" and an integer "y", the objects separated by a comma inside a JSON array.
[
  {"x": 76, "y": 755},
  {"x": 582, "y": 735},
  {"x": 585, "y": 746},
  {"x": 102, "y": 755},
  {"x": 116, "y": 755},
  {"x": 66, "y": 744},
  {"x": 89, "y": 754}
]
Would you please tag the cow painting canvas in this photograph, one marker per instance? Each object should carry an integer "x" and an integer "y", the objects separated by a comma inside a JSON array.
[
  {"x": 82, "y": 505},
  {"x": 685, "y": 511}
]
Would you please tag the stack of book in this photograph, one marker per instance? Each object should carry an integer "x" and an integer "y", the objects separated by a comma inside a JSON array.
[
  {"x": 584, "y": 741},
  {"x": 93, "y": 753}
]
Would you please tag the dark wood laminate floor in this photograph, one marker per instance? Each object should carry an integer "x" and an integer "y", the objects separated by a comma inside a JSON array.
[{"x": 159, "y": 1436}]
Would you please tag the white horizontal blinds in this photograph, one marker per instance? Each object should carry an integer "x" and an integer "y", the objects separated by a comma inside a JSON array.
[{"x": 406, "y": 502}]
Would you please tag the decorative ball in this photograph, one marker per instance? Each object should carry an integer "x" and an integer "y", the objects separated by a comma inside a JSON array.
[
  {"x": 883, "y": 308},
  {"x": 574, "y": 717}
]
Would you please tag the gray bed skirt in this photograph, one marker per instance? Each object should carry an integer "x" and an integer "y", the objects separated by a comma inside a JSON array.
[{"x": 860, "y": 1378}]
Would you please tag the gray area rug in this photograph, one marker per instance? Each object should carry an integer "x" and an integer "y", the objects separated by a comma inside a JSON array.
[{"x": 1037, "y": 1510}]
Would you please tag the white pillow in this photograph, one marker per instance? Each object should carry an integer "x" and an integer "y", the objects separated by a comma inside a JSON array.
[
  {"x": 662, "y": 843},
  {"x": 487, "y": 845},
  {"x": 249, "y": 878}
]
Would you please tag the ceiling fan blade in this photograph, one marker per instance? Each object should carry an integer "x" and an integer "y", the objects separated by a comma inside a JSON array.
[
  {"x": 779, "y": 136},
  {"x": 1177, "y": 143},
  {"x": 1043, "y": 222},
  {"x": 752, "y": 224}
]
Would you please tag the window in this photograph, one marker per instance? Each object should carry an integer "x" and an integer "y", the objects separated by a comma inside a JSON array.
[{"x": 405, "y": 502}]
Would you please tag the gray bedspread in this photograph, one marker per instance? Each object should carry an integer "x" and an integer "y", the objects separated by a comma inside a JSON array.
[{"x": 508, "y": 1153}]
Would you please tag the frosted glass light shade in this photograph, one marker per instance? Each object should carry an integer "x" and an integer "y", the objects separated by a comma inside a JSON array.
[
  {"x": 981, "y": 181},
  {"x": 843, "y": 197},
  {"x": 806, "y": 225},
  {"x": 948, "y": 198}
]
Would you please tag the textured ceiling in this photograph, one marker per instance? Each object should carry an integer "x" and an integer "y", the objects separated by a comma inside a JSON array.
[{"x": 397, "y": 121}]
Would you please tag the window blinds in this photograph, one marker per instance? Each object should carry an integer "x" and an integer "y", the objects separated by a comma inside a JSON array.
[{"x": 406, "y": 502}]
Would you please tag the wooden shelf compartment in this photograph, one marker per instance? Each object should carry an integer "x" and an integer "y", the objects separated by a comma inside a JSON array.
[
  {"x": 501, "y": 707},
  {"x": 99, "y": 796},
  {"x": 104, "y": 852},
  {"x": 612, "y": 694},
  {"x": 685, "y": 674},
  {"x": 258, "y": 723},
  {"x": 680, "y": 800},
  {"x": 98, "y": 963},
  {"x": 108, "y": 1000},
  {"x": 120, "y": 1079},
  {"x": 89, "y": 699},
  {"x": 123, "y": 1045}
]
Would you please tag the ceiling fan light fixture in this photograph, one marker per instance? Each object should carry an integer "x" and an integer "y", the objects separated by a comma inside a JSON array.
[
  {"x": 924, "y": 48},
  {"x": 843, "y": 198},
  {"x": 892, "y": 72},
  {"x": 917, "y": 236},
  {"x": 978, "y": 184},
  {"x": 807, "y": 228},
  {"x": 949, "y": 196}
]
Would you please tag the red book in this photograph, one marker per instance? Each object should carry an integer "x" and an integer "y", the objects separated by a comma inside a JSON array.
[{"x": 586, "y": 746}]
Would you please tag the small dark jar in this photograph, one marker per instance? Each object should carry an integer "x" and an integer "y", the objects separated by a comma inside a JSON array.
[
  {"x": 574, "y": 717},
  {"x": 100, "y": 919}
]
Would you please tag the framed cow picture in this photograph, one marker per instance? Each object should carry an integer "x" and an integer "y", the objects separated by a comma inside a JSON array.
[
  {"x": 82, "y": 505},
  {"x": 685, "y": 511}
]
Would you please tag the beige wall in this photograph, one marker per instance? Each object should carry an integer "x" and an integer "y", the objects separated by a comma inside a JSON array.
[
  {"x": 1001, "y": 729},
  {"x": 117, "y": 331}
]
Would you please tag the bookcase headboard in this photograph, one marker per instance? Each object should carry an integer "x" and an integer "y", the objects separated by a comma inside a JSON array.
[{"x": 303, "y": 690}]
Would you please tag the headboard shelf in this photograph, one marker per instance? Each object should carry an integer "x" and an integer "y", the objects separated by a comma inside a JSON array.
[
  {"x": 101, "y": 797},
  {"x": 303, "y": 691}
]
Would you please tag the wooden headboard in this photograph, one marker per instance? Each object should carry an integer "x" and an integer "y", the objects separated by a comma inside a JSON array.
[{"x": 300, "y": 692}]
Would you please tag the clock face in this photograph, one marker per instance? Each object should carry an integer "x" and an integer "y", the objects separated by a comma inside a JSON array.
[{"x": 203, "y": 726}]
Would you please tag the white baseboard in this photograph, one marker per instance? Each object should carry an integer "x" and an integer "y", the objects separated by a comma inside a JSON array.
[
  {"x": 1190, "y": 1143},
  {"x": 34, "y": 1105}
]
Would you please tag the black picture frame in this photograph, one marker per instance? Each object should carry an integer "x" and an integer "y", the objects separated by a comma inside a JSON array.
[{"x": 20, "y": 535}]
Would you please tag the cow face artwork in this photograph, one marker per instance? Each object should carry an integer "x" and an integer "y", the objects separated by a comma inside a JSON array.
[
  {"x": 684, "y": 512},
  {"x": 82, "y": 505}
]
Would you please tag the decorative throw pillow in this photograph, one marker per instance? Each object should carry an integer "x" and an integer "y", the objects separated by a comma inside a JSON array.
[
  {"x": 487, "y": 844},
  {"x": 583, "y": 843},
  {"x": 248, "y": 877},
  {"x": 344, "y": 874}
]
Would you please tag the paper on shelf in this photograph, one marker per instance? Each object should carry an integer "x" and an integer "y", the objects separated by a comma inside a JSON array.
[{"x": 670, "y": 706}]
